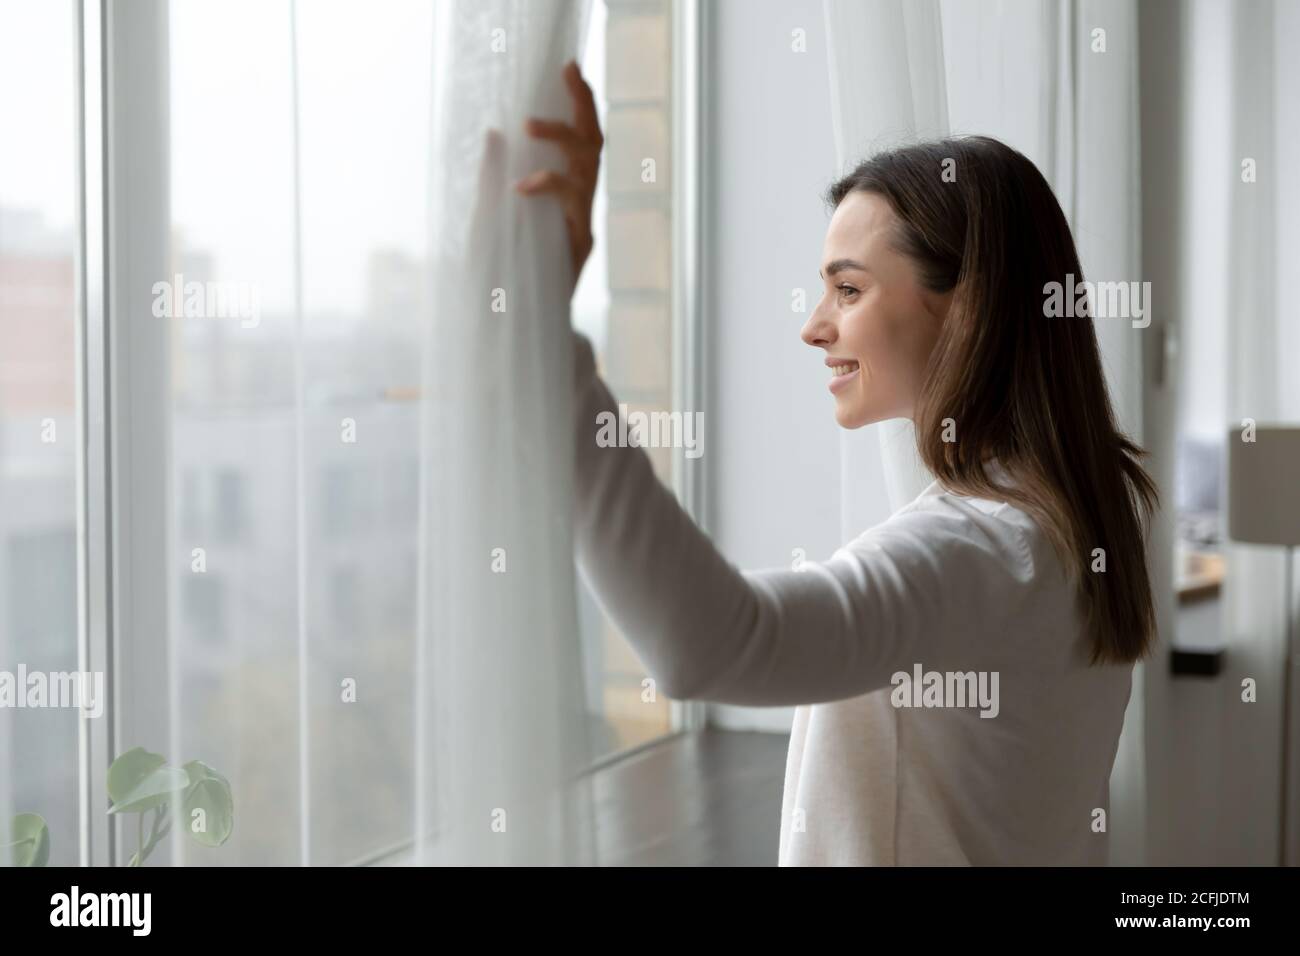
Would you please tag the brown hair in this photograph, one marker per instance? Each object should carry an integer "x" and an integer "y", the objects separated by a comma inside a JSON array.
[{"x": 1022, "y": 388}]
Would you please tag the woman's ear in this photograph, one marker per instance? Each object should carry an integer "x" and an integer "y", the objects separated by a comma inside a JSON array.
[{"x": 938, "y": 303}]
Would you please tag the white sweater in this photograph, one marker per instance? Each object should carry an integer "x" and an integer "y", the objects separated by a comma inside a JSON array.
[{"x": 948, "y": 584}]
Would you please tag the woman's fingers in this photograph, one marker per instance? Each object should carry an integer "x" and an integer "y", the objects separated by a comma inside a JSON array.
[
  {"x": 584, "y": 105},
  {"x": 558, "y": 132},
  {"x": 548, "y": 181},
  {"x": 582, "y": 153},
  {"x": 575, "y": 202},
  {"x": 573, "y": 196},
  {"x": 572, "y": 193},
  {"x": 491, "y": 185},
  {"x": 581, "y": 144}
]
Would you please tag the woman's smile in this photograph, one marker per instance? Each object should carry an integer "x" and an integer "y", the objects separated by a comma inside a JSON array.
[{"x": 843, "y": 371}]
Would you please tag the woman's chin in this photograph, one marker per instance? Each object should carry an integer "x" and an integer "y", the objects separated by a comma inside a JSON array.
[
  {"x": 850, "y": 416},
  {"x": 859, "y": 410}
]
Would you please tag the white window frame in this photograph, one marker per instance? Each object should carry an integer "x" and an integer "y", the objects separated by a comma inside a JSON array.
[
  {"x": 123, "y": 376},
  {"x": 689, "y": 237}
]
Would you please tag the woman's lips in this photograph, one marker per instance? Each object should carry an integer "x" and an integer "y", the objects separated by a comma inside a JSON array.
[{"x": 842, "y": 372}]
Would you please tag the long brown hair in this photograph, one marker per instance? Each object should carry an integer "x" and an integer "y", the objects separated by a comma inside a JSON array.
[{"x": 1022, "y": 388}]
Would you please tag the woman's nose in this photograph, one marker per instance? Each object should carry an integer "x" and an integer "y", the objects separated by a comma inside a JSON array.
[{"x": 818, "y": 331}]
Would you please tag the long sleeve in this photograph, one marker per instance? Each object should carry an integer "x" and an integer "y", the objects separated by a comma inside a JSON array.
[{"x": 920, "y": 588}]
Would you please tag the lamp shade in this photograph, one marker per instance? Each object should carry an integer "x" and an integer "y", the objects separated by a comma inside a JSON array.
[{"x": 1264, "y": 486}]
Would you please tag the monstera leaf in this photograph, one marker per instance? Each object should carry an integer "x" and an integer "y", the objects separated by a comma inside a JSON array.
[
  {"x": 208, "y": 792},
  {"x": 31, "y": 846},
  {"x": 139, "y": 780}
]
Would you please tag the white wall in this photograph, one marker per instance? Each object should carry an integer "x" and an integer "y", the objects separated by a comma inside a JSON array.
[{"x": 774, "y": 464}]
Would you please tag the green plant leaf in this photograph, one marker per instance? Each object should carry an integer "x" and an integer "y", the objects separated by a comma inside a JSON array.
[
  {"x": 31, "y": 846},
  {"x": 209, "y": 791},
  {"x": 139, "y": 780}
]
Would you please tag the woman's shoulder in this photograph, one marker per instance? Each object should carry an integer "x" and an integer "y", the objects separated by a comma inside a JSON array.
[
  {"x": 965, "y": 531},
  {"x": 995, "y": 511}
]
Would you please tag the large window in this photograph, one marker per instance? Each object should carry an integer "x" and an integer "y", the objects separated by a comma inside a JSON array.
[{"x": 272, "y": 157}]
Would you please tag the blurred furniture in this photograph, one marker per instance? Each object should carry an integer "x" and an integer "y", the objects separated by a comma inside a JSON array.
[
  {"x": 1199, "y": 646},
  {"x": 1264, "y": 508},
  {"x": 1199, "y": 576}
]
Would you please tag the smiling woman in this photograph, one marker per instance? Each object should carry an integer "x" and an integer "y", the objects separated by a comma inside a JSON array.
[
  {"x": 991, "y": 378},
  {"x": 923, "y": 317},
  {"x": 878, "y": 318}
]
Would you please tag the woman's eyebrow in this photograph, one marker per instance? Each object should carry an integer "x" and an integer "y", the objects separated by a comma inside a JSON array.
[{"x": 839, "y": 265}]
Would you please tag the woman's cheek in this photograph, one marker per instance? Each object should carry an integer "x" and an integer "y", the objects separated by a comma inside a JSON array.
[
  {"x": 884, "y": 353},
  {"x": 861, "y": 334},
  {"x": 876, "y": 344}
]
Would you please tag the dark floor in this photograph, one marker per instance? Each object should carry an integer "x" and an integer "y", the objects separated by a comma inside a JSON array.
[{"x": 706, "y": 798}]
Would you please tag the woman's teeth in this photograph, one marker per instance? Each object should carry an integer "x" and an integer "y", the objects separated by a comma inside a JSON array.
[{"x": 838, "y": 370}]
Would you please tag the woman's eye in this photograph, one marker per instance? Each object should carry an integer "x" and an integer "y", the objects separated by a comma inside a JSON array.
[{"x": 847, "y": 290}]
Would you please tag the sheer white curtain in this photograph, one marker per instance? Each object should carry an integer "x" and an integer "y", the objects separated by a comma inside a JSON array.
[
  {"x": 498, "y": 681},
  {"x": 1033, "y": 75}
]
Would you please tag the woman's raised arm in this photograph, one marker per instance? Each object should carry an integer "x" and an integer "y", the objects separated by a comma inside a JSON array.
[{"x": 831, "y": 630}]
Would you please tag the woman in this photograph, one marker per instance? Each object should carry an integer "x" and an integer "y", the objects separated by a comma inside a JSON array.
[{"x": 1020, "y": 570}]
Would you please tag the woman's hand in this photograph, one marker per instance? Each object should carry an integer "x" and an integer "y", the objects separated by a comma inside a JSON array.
[{"x": 576, "y": 186}]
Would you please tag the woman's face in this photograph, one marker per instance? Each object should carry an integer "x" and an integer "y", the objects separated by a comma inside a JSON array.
[{"x": 875, "y": 321}]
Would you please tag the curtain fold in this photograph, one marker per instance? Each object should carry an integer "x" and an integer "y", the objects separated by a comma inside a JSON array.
[
  {"x": 886, "y": 88},
  {"x": 1026, "y": 73},
  {"x": 498, "y": 681}
]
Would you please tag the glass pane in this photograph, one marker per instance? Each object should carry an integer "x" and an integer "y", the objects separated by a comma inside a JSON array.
[
  {"x": 364, "y": 109},
  {"x": 233, "y": 419},
  {"x": 625, "y": 309},
  {"x": 38, "y": 427},
  {"x": 362, "y": 121}
]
